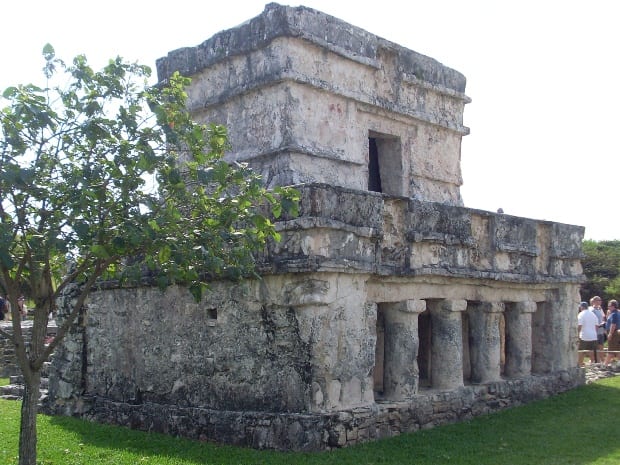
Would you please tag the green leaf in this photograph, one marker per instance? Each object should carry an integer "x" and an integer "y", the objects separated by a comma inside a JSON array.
[
  {"x": 277, "y": 210},
  {"x": 10, "y": 92},
  {"x": 99, "y": 251},
  {"x": 48, "y": 52},
  {"x": 6, "y": 260},
  {"x": 82, "y": 229},
  {"x": 164, "y": 254}
]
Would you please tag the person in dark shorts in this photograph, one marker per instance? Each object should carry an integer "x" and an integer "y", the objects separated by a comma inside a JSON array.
[
  {"x": 613, "y": 332},
  {"x": 587, "y": 323},
  {"x": 595, "y": 306}
]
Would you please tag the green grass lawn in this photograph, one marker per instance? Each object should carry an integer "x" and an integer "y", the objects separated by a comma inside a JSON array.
[{"x": 574, "y": 428}]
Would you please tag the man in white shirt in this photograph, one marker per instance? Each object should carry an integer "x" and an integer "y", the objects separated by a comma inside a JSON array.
[{"x": 587, "y": 323}]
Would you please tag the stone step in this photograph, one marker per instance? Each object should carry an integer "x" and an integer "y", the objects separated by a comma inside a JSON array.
[
  {"x": 17, "y": 391},
  {"x": 19, "y": 379},
  {"x": 8, "y": 345},
  {"x": 6, "y": 363},
  {"x": 9, "y": 370},
  {"x": 9, "y": 350},
  {"x": 12, "y": 390}
]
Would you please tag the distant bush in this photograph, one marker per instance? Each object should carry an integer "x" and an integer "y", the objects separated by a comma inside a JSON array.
[{"x": 601, "y": 265}]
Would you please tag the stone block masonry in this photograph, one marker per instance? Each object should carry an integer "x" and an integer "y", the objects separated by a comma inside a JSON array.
[
  {"x": 326, "y": 430},
  {"x": 306, "y": 96},
  {"x": 387, "y": 306},
  {"x": 336, "y": 344}
]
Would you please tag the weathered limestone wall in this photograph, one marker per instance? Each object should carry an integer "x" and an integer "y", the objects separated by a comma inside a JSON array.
[
  {"x": 267, "y": 349},
  {"x": 228, "y": 352},
  {"x": 301, "y": 93}
]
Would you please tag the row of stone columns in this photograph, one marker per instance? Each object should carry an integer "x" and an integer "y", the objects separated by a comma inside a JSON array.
[{"x": 401, "y": 375}]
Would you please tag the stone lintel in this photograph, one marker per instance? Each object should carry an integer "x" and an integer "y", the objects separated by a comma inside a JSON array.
[
  {"x": 411, "y": 306},
  {"x": 527, "y": 306},
  {"x": 492, "y": 307},
  {"x": 454, "y": 305}
]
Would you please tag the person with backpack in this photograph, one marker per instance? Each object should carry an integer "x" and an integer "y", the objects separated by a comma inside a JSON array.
[{"x": 613, "y": 335}]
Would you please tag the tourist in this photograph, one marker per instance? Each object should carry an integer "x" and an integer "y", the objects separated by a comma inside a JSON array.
[
  {"x": 613, "y": 332},
  {"x": 587, "y": 323},
  {"x": 4, "y": 309},
  {"x": 595, "y": 306},
  {"x": 21, "y": 306}
]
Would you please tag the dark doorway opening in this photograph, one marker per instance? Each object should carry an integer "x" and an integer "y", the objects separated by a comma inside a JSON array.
[
  {"x": 385, "y": 164},
  {"x": 374, "y": 174},
  {"x": 425, "y": 348},
  {"x": 379, "y": 367}
]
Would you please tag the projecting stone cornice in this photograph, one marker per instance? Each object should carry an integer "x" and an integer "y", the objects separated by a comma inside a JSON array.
[{"x": 323, "y": 30}]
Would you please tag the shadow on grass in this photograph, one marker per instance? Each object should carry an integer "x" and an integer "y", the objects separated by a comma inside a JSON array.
[{"x": 568, "y": 429}]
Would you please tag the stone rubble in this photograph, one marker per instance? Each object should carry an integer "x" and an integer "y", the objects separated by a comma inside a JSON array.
[{"x": 597, "y": 371}]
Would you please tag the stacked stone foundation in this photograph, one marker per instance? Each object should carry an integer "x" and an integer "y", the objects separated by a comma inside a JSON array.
[{"x": 322, "y": 431}]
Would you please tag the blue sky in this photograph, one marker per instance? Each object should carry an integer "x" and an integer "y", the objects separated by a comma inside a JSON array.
[{"x": 542, "y": 76}]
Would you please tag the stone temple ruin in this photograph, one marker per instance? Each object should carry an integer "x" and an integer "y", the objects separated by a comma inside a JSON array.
[{"x": 387, "y": 307}]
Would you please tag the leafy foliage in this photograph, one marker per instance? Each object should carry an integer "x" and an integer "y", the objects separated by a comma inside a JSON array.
[
  {"x": 601, "y": 265},
  {"x": 102, "y": 175}
]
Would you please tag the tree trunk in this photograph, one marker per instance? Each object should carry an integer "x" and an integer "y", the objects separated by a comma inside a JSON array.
[{"x": 28, "y": 429}]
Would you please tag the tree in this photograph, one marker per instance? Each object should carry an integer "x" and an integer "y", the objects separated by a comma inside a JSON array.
[
  {"x": 601, "y": 265},
  {"x": 105, "y": 176}
]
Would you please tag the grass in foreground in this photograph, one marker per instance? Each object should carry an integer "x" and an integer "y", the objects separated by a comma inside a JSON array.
[{"x": 575, "y": 428}]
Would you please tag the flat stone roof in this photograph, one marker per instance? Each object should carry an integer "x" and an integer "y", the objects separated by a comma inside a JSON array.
[{"x": 314, "y": 26}]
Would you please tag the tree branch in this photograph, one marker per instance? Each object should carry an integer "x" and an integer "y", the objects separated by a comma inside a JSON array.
[{"x": 70, "y": 320}]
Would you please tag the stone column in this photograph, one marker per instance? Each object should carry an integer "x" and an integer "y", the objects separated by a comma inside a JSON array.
[
  {"x": 519, "y": 339},
  {"x": 447, "y": 344},
  {"x": 484, "y": 341},
  {"x": 401, "y": 377},
  {"x": 563, "y": 328},
  {"x": 542, "y": 340}
]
